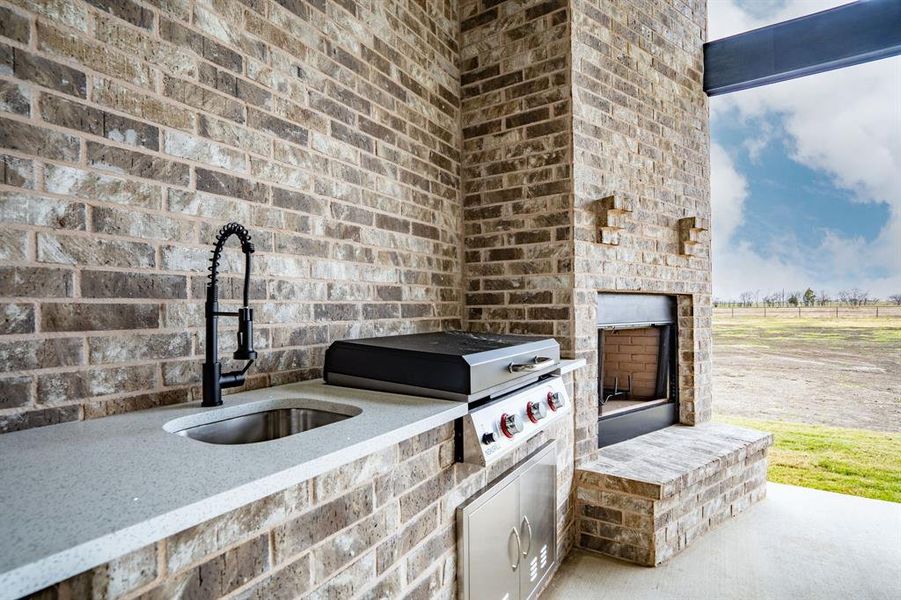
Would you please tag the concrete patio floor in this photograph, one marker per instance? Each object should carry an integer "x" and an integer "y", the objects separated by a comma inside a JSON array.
[{"x": 796, "y": 544}]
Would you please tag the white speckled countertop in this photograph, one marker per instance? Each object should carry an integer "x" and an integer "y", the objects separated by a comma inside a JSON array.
[{"x": 76, "y": 495}]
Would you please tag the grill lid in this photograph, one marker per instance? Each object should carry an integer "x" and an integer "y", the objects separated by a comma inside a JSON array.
[{"x": 450, "y": 364}]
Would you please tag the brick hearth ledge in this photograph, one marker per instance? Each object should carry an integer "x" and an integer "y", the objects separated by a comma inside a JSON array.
[{"x": 645, "y": 499}]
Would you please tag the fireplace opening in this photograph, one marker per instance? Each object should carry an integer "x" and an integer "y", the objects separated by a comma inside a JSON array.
[
  {"x": 635, "y": 368},
  {"x": 637, "y": 365}
]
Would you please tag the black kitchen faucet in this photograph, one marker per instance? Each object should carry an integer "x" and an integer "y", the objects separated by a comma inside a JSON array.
[{"x": 213, "y": 377}]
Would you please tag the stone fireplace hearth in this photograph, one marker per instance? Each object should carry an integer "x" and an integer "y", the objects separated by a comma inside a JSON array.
[{"x": 642, "y": 506}]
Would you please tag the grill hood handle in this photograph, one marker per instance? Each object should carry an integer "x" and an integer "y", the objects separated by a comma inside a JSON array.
[{"x": 539, "y": 362}]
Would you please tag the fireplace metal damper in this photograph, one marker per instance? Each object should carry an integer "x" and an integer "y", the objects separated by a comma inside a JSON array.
[{"x": 638, "y": 389}]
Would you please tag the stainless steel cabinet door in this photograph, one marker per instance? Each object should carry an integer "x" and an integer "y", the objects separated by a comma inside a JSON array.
[
  {"x": 538, "y": 499},
  {"x": 495, "y": 547}
]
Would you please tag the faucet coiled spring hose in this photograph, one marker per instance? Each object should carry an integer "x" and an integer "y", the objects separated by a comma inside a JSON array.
[{"x": 246, "y": 246}]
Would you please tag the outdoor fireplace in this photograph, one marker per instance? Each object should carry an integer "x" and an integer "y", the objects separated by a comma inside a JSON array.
[{"x": 637, "y": 365}]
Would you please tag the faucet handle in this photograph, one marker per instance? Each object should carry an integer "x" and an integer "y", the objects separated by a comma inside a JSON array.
[{"x": 245, "y": 349}]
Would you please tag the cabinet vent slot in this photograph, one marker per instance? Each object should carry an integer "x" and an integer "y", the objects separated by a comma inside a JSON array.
[{"x": 543, "y": 556}]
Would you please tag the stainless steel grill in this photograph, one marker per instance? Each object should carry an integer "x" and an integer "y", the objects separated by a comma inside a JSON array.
[
  {"x": 511, "y": 382},
  {"x": 514, "y": 390}
]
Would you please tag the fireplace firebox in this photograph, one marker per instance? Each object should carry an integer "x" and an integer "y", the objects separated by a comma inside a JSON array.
[{"x": 638, "y": 389}]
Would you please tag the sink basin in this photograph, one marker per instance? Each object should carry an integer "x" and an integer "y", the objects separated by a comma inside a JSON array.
[{"x": 262, "y": 426}]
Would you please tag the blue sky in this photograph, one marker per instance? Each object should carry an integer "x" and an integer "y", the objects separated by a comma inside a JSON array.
[
  {"x": 806, "y": 174},
  {"x": 788, "y": 198}
]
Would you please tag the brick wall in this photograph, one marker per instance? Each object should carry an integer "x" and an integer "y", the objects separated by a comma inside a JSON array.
[
  {"x": 632, "y": 352},
  {"x": 640, "y": 164},
  {"x": 130, "y": 131},
  {"x": 380, "y": 527},
  {"x": 517, "y": 167}
]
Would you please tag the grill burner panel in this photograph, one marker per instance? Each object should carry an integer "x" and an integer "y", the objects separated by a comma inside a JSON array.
[
  {"x": 454, "y": 365},
  {"x": 485, "y": 436}
]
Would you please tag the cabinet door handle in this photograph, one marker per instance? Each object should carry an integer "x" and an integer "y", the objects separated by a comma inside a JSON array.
[
  {"x": 515, "y": 534},
  {"x": 526, "y": 525}
]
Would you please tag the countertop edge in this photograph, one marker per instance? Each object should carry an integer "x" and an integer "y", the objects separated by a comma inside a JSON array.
[
  {"x": 570, "y": 365},
  {"x": 72, "y": 561}
]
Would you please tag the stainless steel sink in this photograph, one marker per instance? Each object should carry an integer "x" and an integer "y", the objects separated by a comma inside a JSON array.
[{"x": 262, "y": 426}]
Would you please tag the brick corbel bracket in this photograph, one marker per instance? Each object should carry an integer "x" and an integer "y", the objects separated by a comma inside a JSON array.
[
  {"x": 692, "y": 233},
  {"x": 613, "y": 212}
]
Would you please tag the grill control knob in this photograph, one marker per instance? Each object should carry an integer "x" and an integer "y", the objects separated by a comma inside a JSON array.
[
  {"x": 489, "y": 438},
  {"x": 510, "y": 424},
  {"x": 555, "y": 400},
  {"x": 536, "y": 411}
]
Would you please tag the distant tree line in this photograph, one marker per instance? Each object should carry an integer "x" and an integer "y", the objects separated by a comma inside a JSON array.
[{"x": 848, "y": 297}]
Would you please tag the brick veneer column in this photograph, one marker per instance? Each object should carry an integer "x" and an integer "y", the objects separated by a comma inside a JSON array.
[
  {"x": 623, "y": 124},
  {"x": 640, "y": 131}
]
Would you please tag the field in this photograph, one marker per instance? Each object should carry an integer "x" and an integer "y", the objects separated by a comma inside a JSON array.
[{"x": 829, "y": 389}]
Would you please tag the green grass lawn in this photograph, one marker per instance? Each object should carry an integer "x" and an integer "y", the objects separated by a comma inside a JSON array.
[{"x": 847, "y": 461}]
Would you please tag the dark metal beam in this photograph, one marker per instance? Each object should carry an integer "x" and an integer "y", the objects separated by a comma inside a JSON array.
[{"x": 840, "y": 37}]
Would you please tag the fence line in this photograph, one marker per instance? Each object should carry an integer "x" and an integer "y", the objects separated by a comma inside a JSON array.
[{"x": 834, "y": 312}]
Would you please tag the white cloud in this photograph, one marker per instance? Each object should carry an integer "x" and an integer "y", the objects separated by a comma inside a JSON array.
[
  {"x": 845, "y": 123},
  {"x": 756, "y": 145},
  {"x": 745, "y": 269},
  {"x": 728, "y": 191}
]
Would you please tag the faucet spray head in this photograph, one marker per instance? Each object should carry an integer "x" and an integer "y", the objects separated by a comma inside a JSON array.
[{"x": 245, "y": 349}]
